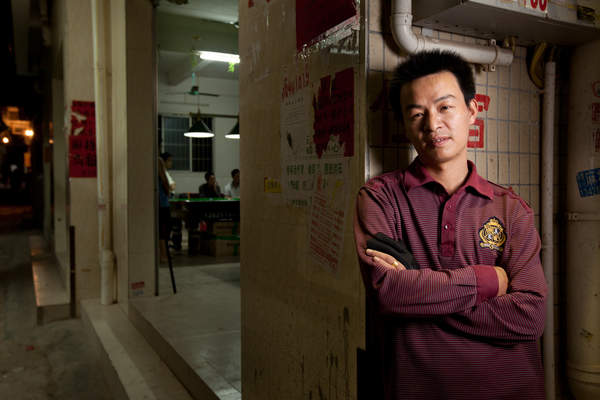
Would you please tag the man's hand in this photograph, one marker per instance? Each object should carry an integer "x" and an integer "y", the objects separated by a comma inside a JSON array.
[
  {"x": 384, "y": 259},
  {"x": 502, "y": 281}
]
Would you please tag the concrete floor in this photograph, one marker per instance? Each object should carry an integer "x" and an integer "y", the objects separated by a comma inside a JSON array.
[
  {"x": 201, "y": 323},
  {"x": 53, "y": 361}
]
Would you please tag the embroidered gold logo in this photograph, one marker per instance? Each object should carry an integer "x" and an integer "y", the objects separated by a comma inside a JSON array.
[{"x": 492, "y": 235}]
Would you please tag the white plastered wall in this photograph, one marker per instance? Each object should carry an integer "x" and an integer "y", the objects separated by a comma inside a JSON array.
[
  {"x": 302, "y": 323},
  {"x": 131, "y": 95},
  {"x": 75, "y": 198},
  {"x": 133, "y": 152}
]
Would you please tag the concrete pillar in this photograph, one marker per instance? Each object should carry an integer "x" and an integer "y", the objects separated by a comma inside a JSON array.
[
  {"x": 78, "y": 86},
  {"x": 133, "y": 146},
  {"x": 302, "y": 311},
  {"x": 131, "y": 93}
]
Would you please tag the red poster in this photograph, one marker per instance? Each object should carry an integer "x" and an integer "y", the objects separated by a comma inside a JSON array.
[
  {"x": 82, "y": 141},
  {"x": 476, "y": 134},
  {"x": 83, "y": 118},
  {"x": 82, "y": 156},
  {"x": 334, "y": 112},
  {"x": 315, "y": 17},
  {"x": 483, "y": 102}
]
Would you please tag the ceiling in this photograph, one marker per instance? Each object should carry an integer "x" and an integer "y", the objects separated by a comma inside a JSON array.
[
  {"x": 195, "y": 25},
  {"x": 181, "y": 29},
  {"x": 212, "y": 10}
]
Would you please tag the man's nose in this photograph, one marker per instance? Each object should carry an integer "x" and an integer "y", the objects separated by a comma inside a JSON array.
[{"x": 431, "y": 121}]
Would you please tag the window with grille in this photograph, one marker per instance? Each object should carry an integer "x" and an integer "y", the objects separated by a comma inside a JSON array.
[{"x": 189, "y": 154}]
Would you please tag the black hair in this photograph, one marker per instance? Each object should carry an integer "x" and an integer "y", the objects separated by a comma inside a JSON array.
[
  {"x": 431, "y": 62},
  {"x": 166, "y": 155},
  {"x": 207, "y": 175},
  {"x": 234, "y": 171}
]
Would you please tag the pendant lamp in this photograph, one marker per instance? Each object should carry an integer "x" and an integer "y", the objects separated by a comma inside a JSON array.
[
  {"x": 198, "y": 128},
  {"x": 234, "y": 133}
]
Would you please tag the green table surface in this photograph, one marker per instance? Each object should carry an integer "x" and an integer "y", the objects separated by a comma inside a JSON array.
[{"x": 202, "y": 199}]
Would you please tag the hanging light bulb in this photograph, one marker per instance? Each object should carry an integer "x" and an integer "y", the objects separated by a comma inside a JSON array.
[
  {"x": 5, "y": 140},
  {"x": 29, "y": 133}
]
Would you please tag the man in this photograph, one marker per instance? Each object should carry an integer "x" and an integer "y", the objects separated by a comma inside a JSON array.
[
  {"x": 464, "y": 324},
  {"x": 164, "y": 211},
  {"x": 210, "y": 188},
  {"x": 232, "y": 189}
]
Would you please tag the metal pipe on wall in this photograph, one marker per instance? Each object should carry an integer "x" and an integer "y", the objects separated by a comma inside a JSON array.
[
  {"x": 583, "y": 225},
  {"x": 547, "y": 222},
  {"x": 401, "y": 24},
  {"x": 106, "y": 255}
]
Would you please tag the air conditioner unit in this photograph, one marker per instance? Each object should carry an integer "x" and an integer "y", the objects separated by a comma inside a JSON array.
[{"x": 562, "y": 22}]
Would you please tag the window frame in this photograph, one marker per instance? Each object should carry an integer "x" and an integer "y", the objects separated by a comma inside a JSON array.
[{"x": 188, "y": 142}]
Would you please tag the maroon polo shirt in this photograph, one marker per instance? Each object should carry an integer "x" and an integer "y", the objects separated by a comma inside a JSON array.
[{"x": 440, "y": 332}]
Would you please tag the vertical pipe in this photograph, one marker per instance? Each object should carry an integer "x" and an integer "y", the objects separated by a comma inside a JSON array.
[
  {"x": 547, "y": 212},
  {"x": 156, "y": 151},
  {"x": 102, "y": 155},
  {"x": 72, "y": 294}
]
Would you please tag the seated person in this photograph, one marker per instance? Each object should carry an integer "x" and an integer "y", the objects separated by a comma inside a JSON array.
[
  {"x": 210, "y": 188},
  {"x": 232, "y": 189}
]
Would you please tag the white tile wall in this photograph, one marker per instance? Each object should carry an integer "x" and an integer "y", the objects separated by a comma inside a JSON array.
[{"x": 510, "y": 155}]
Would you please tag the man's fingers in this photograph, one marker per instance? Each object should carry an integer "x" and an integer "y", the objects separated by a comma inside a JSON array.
[
  {"x": 384, "y": 259},
  {"x": 502, "y": 281}
]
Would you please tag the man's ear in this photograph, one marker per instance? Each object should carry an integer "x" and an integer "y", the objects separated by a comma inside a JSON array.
[{"x": 473, "y": 111}]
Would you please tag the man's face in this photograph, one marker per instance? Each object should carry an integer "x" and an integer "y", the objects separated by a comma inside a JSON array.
[
  {"x": 236, "y": 178},
  {"x": 212, "y": 180},
  {"x": 436, "y": 118}
]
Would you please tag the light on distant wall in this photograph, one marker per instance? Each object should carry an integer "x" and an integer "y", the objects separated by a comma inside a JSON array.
[
  {"x": 29, "y": 133},
  {"x": 224, "y": 57}
]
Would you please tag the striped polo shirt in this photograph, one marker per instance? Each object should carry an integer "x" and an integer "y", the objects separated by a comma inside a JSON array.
[{"x": 440, "y": 332}]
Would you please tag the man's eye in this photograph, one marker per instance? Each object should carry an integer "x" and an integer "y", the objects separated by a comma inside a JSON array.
[
  {"x": 416, "y": 116},
  {"x": 445, "y": 107}
]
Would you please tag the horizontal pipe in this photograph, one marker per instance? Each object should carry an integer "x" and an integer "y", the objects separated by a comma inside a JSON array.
[{"x": 401, "y": 25}]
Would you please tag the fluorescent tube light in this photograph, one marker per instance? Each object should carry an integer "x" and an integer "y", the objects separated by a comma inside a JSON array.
[{"x": 224, "y": 57}]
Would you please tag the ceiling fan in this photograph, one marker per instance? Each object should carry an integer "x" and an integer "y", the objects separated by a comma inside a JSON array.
[{"x": 194, "y": 90}]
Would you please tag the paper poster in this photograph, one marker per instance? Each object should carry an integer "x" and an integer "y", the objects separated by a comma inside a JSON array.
[
  {"x": 316, "y": 18},
  {"x": 82, "y": 156},
  {"x": 326, "y": 231},
  {"x": 334, "y": 113},
  {"x": 317, "y": 133},
  {"x": 82, "y": 140},
  {"x": 83, "y": 118},
  {"x": 589, "y": 182},
  {"x": 317, "y": 143}
]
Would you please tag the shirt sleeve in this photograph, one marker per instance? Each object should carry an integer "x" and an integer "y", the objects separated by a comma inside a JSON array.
[
  {"x": 520, "y": 314},
  {"x": 422, "y": 292}
]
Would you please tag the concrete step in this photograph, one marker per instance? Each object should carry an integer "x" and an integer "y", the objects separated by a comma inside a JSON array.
[
  {"x": 131, "y": 367},
  {"x": 51, "y": 296},
  {"x": 202, "y": 380}
]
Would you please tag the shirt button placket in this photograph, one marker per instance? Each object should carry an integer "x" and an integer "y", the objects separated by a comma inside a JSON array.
[{"x": 447, "y": 233}]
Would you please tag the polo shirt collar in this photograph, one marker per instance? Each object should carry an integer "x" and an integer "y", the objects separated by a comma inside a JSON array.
[{"x": 417, "y": 175}]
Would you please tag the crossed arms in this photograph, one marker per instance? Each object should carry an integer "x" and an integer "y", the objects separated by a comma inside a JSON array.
[{"x": 470, "y": 300}]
